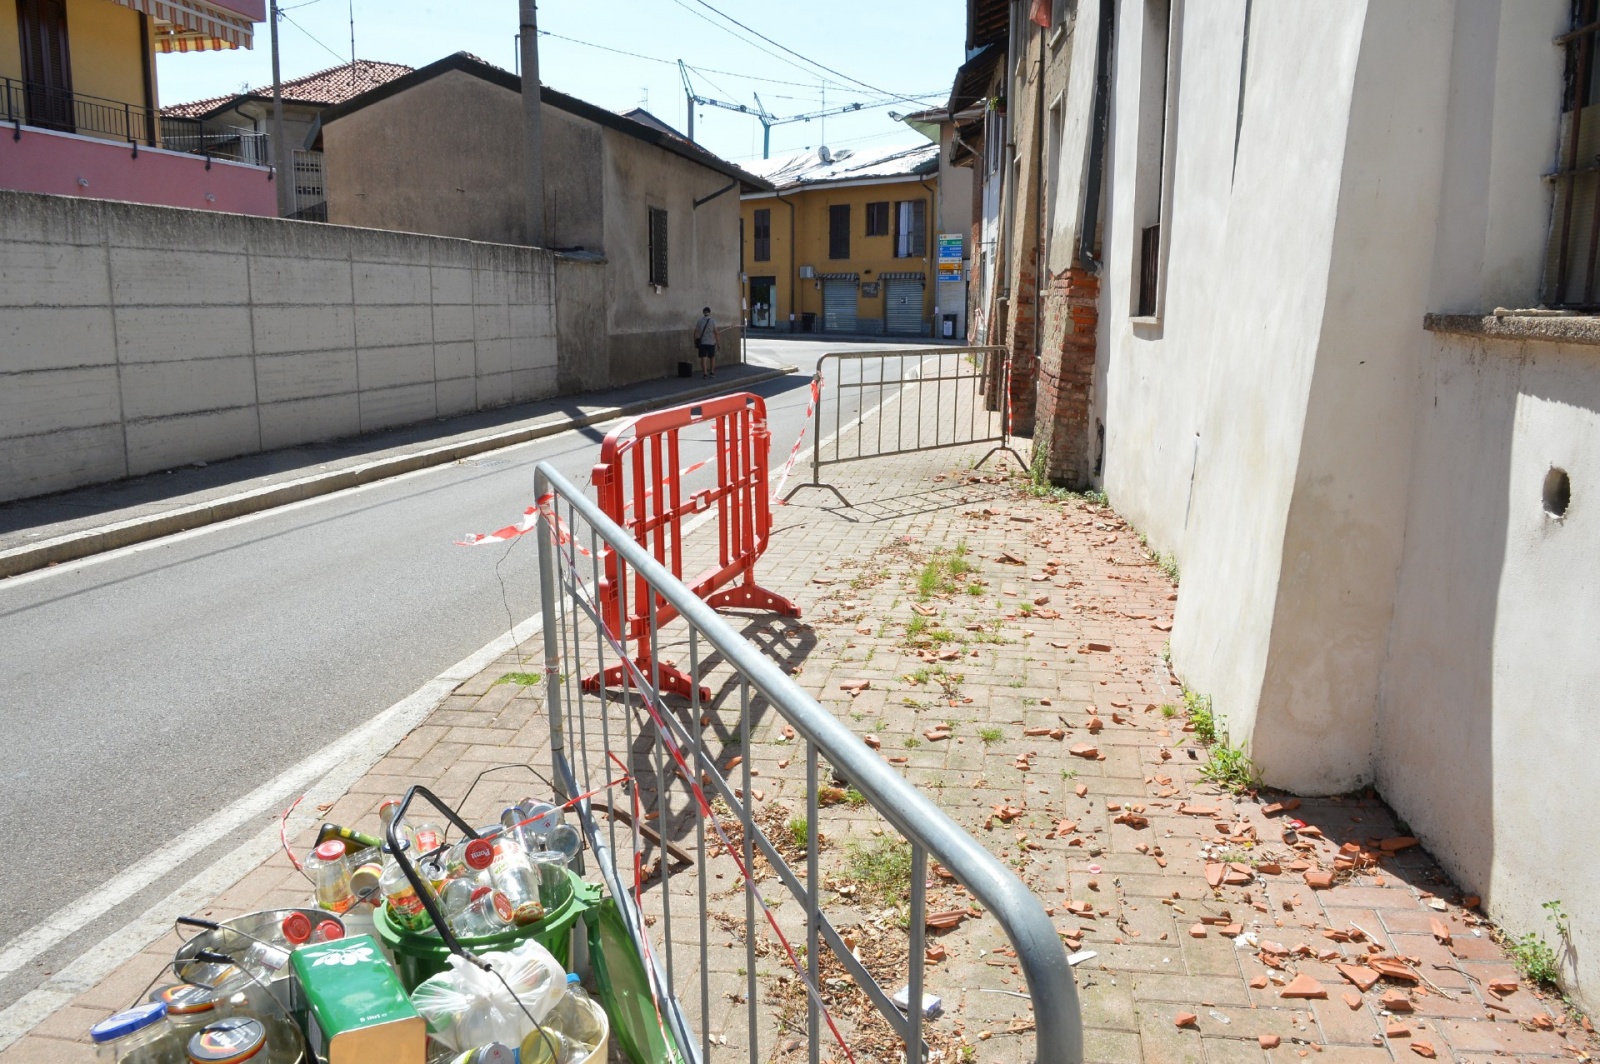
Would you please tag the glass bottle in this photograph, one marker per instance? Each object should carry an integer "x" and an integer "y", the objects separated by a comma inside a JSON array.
[{"x": 330, "y": 877}]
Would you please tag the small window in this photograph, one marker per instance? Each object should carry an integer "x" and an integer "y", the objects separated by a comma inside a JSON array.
[
  {"x": 839, "y": 231},
  {"x": 911, "y": 229},
  {"x": 763, "y": 248},
  {"x": 658, "y": 246},
  {"x": 878, "y": 219}
]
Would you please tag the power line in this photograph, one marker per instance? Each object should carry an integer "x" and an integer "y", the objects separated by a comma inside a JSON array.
[
  {"x": 308, "y": 33},
  {"x": 697, "y": 69},
  {"x": 797, "y": 55}
]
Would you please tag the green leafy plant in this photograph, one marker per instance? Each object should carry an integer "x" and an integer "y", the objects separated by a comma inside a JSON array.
[
  {"x": 1536, "y": 959},
  {"x": 521, "y": 679},
  {"x": 854, "y": 797},
  {"x": 1198, "y": 707},
  {"x": 912, "y": 742},
  {"x": 1228, "y": 767}
]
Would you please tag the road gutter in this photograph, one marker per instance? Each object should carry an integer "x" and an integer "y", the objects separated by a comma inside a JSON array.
[{"x": 120, "y": 534}]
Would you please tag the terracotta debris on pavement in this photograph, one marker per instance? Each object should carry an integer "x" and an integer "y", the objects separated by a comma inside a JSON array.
[{"x": 1221, "y": 921}]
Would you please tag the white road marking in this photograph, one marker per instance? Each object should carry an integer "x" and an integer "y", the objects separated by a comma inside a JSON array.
[{"x": 324, "y": 777}]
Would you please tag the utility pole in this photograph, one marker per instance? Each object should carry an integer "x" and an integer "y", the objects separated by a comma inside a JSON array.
[
  {"x": 282, "y": 158},
  {"x": 532, "y": 129}
]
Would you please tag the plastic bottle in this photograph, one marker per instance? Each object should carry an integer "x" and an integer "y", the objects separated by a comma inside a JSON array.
[
  {"x": 138, "y": 1034},
  {"x": 330, "y": 877},
  {"x": 572, "y": 1030}
]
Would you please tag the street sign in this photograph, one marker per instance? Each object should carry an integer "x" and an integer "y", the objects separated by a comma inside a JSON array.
[{"x": 949, "y": 267}]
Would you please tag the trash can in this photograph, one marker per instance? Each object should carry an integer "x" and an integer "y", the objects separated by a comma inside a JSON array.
[{"x": 419, "y": 956}]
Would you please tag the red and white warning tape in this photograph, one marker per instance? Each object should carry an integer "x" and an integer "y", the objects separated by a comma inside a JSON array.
[{"x": 794, "y": 452}]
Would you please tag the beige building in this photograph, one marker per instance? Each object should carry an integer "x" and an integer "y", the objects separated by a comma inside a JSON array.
[
  {"x": 647, "y": 223},
  {"x": 239, "y": 125}
]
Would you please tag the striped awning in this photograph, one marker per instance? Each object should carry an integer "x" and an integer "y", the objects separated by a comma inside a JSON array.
[
  {"x": 904, "y": 275},
  {"x": 838, "y": 277},
  {"x": 193, "y": 25}
]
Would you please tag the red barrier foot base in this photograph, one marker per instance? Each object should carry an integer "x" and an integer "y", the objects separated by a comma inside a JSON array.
[
  {"x": 673, "y": 681},
  {"x": 752, "y": 596}
]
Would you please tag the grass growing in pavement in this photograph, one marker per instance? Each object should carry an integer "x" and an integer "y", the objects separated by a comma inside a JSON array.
[
  {"x": 799, "y": 832},
  {"x": 944, "y": 573},
  {"x": 990, "y": 735},
  {"x": 1169, "y": 710},
  {"x": 881, "y": 870},
  {"x": 1198, "y": 707},
  {"x": 521, "y": 679},
  {"x": 1228, "y": 767}
]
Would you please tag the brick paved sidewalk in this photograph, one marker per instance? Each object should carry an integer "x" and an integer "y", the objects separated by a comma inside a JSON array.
[{"x": 1014, "y": 651}]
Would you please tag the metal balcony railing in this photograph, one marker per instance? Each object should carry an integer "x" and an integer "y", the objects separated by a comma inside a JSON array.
[
  {"x": 27, "y": 103},
  {"x": 235, "y": 142}
]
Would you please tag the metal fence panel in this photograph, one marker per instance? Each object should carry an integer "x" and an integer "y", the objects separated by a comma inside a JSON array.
[
  {"x": 919, "y": 399},
  {"x": 652, "y": 760}
]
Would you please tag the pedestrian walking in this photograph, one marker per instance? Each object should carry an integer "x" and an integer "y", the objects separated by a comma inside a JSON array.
[{"x": 705, "y": 339}]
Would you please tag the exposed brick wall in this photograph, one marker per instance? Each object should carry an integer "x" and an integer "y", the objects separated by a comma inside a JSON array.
[
  {"x": 1065, "y": 374},
  {"x": 1024, "y": 369}
]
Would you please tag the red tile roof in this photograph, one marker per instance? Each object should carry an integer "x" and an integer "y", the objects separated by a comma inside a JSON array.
[{"x": 331, "y": 86}]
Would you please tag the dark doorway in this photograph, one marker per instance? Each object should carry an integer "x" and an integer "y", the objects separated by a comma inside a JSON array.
[
  {"x": 763, "y": 292},
  {"x": 46, "y": 63}
]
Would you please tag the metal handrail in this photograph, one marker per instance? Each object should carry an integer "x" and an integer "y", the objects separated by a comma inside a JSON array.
[
  {"x": 1041, "y": 957},
  {"x": 134, "y": 123}
]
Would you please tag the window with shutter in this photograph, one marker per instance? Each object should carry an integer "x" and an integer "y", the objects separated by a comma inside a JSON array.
[
  {"x": 763, "y": 236},
  {"x": 911, "y": 229},
  {"x": 658, "y": 246},
  {"x": 839, "y": 231},
  {"x": 878, "y": 219}
]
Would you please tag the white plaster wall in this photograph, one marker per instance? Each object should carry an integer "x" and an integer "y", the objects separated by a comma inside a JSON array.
[
  {"x": 137, "y": 338},
  {"x": 1316, "y": 724},
  {"x": 1486, "y": 737},
  {"x": 1204, "y": 410},
  {"x": 1488, "y": 731}
]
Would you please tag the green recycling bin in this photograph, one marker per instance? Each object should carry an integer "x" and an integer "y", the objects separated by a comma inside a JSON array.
[{"x": 419, "y": 956}]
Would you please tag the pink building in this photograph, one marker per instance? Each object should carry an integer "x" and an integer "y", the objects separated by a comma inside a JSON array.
[{"x": 80, "y": 111}]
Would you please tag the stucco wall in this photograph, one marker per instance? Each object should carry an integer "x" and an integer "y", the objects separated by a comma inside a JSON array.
[
  {"x": 66, "y": 164},
  {"x": 107, "y": 59},
  {"x": 1487, "y": 733},
  {"x": 650, "y": 331},
  {"x": 137, "y": 338},
  {"x": 444, "y": 158}
]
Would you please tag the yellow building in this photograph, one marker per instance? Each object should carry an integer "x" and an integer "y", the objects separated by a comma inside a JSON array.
[
  {"x": 87, "y": 67},
  {"x": 846, "y": 244}
]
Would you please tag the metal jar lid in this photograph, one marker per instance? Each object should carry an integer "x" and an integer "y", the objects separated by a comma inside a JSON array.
[{"x": 228, "y": 1041}]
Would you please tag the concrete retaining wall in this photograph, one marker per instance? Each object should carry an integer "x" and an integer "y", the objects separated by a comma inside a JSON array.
[{"x": 137, "y": 338}]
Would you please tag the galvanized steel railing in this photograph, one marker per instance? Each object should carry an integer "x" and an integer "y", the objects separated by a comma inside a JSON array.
[
  {"x": 628, "y": 743},
  {"x": 922, "y": 399}
]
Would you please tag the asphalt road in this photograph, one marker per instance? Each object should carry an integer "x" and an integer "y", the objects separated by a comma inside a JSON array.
[{"x": 143, "y": 691}]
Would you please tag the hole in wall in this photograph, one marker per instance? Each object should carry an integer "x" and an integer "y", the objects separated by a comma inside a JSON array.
[{"x": 1557, "y": 492}]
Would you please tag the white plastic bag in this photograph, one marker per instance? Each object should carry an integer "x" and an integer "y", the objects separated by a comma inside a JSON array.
[{"x": 467, "y": 1007}]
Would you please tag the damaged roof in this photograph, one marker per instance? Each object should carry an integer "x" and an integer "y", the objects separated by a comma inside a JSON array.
[{"x": 822, "y": 166}]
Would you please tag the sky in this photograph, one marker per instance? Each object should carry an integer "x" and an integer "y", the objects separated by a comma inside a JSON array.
[{"x": 907, "y": 51}]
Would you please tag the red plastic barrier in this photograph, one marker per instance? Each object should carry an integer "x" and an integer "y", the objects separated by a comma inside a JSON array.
[{"x": 639, "y": 481}]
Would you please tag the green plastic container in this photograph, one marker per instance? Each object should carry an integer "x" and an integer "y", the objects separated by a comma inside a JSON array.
[{"x": 418, "y": 957}]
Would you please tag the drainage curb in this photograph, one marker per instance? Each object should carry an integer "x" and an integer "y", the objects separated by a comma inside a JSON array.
[{"x": 142, "y": 529}]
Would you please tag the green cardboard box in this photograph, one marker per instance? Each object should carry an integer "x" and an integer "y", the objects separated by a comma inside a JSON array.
[{"x": 358, "y": 1013}]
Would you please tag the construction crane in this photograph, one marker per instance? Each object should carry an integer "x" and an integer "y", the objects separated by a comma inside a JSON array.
[{"x": 758, "y": 112}]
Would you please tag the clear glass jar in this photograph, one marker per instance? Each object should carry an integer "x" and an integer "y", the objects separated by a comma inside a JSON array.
[{"x": 138, "y": 1034}]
